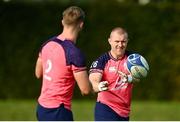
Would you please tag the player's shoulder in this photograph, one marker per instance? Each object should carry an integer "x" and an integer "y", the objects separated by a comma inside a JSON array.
[
  {"x": 72, "y": 50},
  {"x": 68, "y": 46},
  {"x": 72, "y": 53},
  {"x": 100, "y": 62}
]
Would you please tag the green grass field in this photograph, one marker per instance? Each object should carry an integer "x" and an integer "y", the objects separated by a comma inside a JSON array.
[{"x": 24, "y": 110}]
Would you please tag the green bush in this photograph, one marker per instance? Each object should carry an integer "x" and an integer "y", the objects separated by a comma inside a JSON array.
[{"x": 154, "y": 32}]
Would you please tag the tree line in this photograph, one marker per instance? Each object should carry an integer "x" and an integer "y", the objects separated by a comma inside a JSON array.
[{"x": 154, "y": 32}]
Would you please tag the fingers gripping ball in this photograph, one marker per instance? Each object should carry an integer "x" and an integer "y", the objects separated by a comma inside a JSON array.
[
  {"x": 137, "y": 65},
  {"x": 103, "y": 86}
]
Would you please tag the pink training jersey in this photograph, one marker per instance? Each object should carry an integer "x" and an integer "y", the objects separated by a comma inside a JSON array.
[
  {"x": 60, "y": 59},
  {"x": 118, "y": 96}
]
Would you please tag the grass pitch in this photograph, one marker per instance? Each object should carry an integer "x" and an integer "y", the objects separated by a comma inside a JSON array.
[{"x": 83, "y": 110}]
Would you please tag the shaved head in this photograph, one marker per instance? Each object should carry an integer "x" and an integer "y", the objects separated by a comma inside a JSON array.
[{"x": 119, "y": 31}]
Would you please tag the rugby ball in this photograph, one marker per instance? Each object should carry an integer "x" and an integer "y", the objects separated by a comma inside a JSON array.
[{"x": 137, "y": 65}]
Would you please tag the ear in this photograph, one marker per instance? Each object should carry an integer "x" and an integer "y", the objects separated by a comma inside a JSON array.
[
  {"x": 62, "y": 22},
  {"x": 81, "y": 25},
  {"x": 109, "y": 40}
]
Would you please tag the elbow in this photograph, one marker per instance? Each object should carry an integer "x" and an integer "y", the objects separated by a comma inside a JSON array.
[
  {"x": 38, "y": 75},
  {"x": 85, "y": 91}
]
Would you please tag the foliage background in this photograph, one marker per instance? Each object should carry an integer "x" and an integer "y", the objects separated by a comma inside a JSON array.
[{"x": 154, "y": 32}]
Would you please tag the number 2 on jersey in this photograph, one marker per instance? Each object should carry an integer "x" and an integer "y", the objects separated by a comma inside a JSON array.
[{"x": 47, "y": 70}]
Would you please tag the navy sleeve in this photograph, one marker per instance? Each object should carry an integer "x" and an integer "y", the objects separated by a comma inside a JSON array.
[
  {"x": 100, "y": 63},
  {"x": 76, "y": 57},
  {"x": 73, "y": 55}
]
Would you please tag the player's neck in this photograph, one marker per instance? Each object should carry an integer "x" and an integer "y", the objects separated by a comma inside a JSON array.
[
  {"x": 69, "y": 34},
  {"x": 115, "y": 56}
]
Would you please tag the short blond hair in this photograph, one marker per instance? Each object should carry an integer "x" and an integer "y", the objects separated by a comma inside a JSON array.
[
  {"x": 73, "y": 15},
  {"x": 120, "y": 31}
]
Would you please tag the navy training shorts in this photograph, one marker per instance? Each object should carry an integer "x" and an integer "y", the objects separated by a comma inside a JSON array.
[
  {"x": 105, "y": 113},
  {"x": 54, "y": 114}
]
